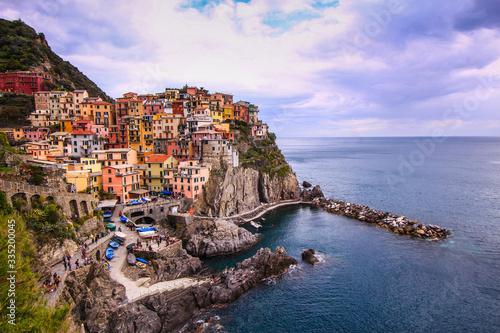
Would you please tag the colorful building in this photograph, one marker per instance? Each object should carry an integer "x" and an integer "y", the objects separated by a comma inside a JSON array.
[
  {"x": 24, "y": 82},
  {"x": 190, "y": 179},
  {"x": 155, "y": 177},
  {"x": 120, "y": 180}
]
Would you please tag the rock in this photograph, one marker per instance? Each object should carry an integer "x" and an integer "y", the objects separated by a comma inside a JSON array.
[
  {"x": 310, "y": 195},
  {"x": 218, "y": 237},
  {"x": 53, "y": 252},
  {"x": 306, "y": 184},
  {"x": 308, "y": 256},
  {"x": 239, "y": 190}
]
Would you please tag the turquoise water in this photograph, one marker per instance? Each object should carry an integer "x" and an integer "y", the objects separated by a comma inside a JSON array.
[{"x": 371, "y": 280}]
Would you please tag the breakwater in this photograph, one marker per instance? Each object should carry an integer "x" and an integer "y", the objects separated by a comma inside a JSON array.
[{"x": 396, "y": 223}]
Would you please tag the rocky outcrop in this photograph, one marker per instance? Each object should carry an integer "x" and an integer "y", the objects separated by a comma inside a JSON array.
[
  {"x": 177, "y": 307},
  {"x": 396, "y": 223},
  {"x": 165, "y": 269},
  {"x": 239, "y": 190},
  {"x": 308, "y": 256},
  {"x": 306, "y": 184},
  {"x": 211, "y": 238},
  {"x": 310, "y": 195},
  {"x": 93, "y": 296},
  {"x": 53, "y": 252},
  {"x": 101, "y": 305}
]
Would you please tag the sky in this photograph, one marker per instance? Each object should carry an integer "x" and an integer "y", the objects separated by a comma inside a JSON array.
[{"x": 314, "y": 67}]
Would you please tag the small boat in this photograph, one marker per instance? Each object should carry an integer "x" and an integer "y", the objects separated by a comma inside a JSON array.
[
  {"x": 140, "y": 264},
  {"x": 147, "y": 234},
  {"x": 131, "y": 259},
  {"x": 123, "y": 219},
  {"x": 130, "y": 247},
  {"x": 146, "y": 229},
  {"x": 110, "y": 253},
  {"x": 255, "y": 224},
  {"x": 117, "y": 239},
  {"x": 111, "y": 227},
  {"x": 107, "y": 219},
  {"x": 263, "y": 219},
  {"x": 121, "y": 235},
  {"x": 107, "y": 214},
  {"x": 113, "y": 244},
  {"x": 142, "y": 260}
]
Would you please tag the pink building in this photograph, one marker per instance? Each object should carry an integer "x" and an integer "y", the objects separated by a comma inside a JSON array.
[
  {"x": 259, "y": 130},
  {"x": 120, "y": 180},
  {"x": 190, "y": 179},
  {"x": 35, "y": 133}
]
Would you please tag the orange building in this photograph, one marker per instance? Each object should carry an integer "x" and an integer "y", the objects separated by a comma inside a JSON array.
[{"x": 120, "y": 180}]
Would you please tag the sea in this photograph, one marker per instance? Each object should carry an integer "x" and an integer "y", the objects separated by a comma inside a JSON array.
[{"x": 369, "y": 279}]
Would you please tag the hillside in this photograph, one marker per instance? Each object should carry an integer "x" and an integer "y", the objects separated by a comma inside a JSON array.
[
  {"x": 14, "y": 108},
  {"x": 21, "y": 48}
]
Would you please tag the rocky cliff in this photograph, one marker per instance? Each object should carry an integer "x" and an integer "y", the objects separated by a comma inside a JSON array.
[
  {"x": 211, "y": 238},
  {"x": 102, "y": 306},
  {"x": 239, "y": 190}
]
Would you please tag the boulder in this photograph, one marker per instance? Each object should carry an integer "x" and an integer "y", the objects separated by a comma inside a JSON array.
[
  {"x": 212, "y": 238},
  {"x": 310, "y": 195},
  {"x": 306, "y": 184},
  {"x": 308, "y": 256}
]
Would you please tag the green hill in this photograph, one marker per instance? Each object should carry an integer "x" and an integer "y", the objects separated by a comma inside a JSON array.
[{"x": 21, "y": 48}]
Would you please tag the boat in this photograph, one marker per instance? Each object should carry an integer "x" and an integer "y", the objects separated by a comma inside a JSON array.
[
  {"x": 121, "y": 235},
  {"x": 255, "y": 224},
  {"x": 108, "y": 220},
  {"x": 111, "y": 227},
  {"x": 147, "y": 234},
  {"x": 130, "y": 247},
  {"x": 110, "y": 253},
  {"x": 263, "y": 219},
  {"x": 145, "y": 229},
  {"x": 142, "y": 260},
  {"x": 117, "y": 239},
  {"x": 107, "y": 214},
  {"x": 113, "y": 244},
  {"x": 140, "y": 264},
  {"x": 131, "y": 259},
  {"x": 123, "y": 219}
]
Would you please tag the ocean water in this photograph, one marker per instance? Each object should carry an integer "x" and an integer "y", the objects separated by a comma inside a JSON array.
[{"x": 371, "y": 280}]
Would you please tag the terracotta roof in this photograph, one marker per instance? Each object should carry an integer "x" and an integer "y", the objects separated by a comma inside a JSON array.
[
  {"x": 157, "y": 158},
  {"x": 78, "y": 132}
]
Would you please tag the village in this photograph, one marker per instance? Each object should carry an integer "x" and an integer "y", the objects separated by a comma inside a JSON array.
[{"x": 138, "y": 147}]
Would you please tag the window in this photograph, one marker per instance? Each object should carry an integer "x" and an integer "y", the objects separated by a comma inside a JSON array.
[
  {"x": 110, "y": 189},
  {"x": 109, "y": 170},
  {"x": 109, "y": 180}
]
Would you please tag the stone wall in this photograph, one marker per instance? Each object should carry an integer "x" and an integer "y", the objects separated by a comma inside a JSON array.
[
  {"x": 171, "y": 251},
  {"x": 72, "y": 204}
]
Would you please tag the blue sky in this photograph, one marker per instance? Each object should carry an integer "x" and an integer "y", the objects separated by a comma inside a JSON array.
[{"x": 314, "y": 67}]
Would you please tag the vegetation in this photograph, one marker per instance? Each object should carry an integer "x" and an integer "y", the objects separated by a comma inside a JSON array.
[
  {"x": 15, "y": 108},
  {"x": 262, "y": 155},
  {"x": 31, "y": 312},
  {"x": 21, "y": 48}
]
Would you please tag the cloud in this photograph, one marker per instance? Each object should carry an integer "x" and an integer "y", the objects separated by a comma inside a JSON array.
[{"x": 311, "y": 66}]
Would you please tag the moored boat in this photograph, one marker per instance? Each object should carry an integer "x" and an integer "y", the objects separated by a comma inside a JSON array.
[
  {"x": 142, "y": 260},
  {"x": 110, "y": 253},
  {"x": 113, "y": 244},
  {"x": 111, "y": 227},
  {"x": 147, "y": 234},
  {"x": 255, "y": 224}
]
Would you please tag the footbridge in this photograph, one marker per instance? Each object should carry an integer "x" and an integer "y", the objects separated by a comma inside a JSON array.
[
  {"x": 152, "y": 211},
  {"x": 72, "y": 204}
]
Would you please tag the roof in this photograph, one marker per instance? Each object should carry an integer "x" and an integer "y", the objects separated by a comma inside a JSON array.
[
  {"x": 157, "y": 158},
  {"x": 113, "y": 150},
  {"x": 79, "y": 132},
  {"x": 107, "y": 203},
  {"x": 121, "y": 166},
  {"x": 140, "y": 191}
]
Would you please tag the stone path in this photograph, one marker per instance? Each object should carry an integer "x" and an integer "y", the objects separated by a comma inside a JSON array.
[
  {"x": 134, "y": 289},
  {"x": 262, "y": 210}
]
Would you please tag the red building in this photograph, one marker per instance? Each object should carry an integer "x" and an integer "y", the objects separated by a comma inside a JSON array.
[
  {"x": 24, "y": 82},
  {"x": 117, "y": 136}
]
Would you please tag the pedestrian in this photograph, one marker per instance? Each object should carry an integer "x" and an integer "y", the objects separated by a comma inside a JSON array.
[
  {"x": 69, "y": 257},
  {"x": 69, "y": 265},
  {"x": 65, "y": 266},
  {"x": 77, "y": 263},
  {"x": 120, "y": 229}
]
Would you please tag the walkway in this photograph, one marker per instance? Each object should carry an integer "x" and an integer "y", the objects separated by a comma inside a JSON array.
[
  {"x": 261, "y": 210},
  {"x": 134, "y": 289}
]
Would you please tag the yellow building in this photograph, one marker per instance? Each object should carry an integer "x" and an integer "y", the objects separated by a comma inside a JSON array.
[
  {"x": 91, "y": 163},
  {"x": 77, "y": 177},
  {"x": 136, "y": 108},
  {"x": 216, "y": 117},
  {"x": 227, "y": 112},
  {"x": 156, "y": 176},
  {"x": 166, "y": 126},
  {"x": 116, "y": 156}
]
